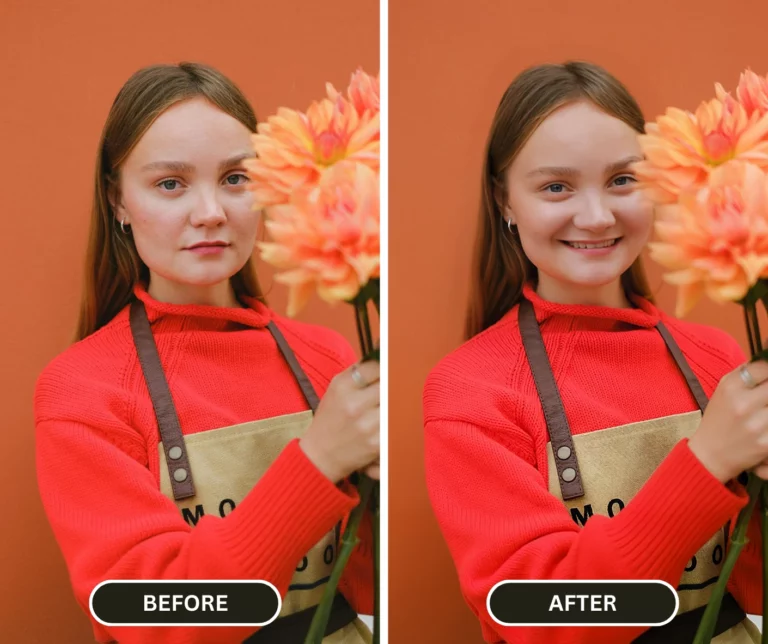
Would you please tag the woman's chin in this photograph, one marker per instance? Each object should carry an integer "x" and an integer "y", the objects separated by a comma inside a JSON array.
[
  {"x": 586, "y": 278},
  {"x": 205, "y": 280},
  {"x": 590, "y": 272}
]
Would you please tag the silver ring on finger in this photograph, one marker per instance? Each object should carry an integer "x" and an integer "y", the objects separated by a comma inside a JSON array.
[
  {"x": 357, "y": 377},
  {"x": 746, "y": 377}
]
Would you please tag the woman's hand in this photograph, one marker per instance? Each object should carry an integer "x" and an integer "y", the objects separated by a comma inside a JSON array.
[
  {"x": 733, "y": 434},
  {"x": 344, "y": 434}
]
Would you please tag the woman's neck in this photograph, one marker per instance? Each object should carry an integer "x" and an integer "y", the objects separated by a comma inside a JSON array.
[
  {"x": 221, "y": 294},
  {"x": 611, "y": 295}
]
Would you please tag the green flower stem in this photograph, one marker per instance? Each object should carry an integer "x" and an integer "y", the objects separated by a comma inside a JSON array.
[
  {"x": 361, "y": 336},
  {"x": 707, "y": 626},
  {"x": 376, "y": 573},
  {"x": 756, "y": 329},
  {"x": 371, "y": 352},
  {"x": 764, "y": 512},
  {"x": 366, "y": 327},
  {"x": 363, "y": 323},
  {"x": 348, "y": 542},
  {"x": 367, "y": 488},
  {"x": 747, "y": 321}
]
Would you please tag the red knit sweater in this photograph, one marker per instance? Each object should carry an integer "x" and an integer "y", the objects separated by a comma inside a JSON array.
[
  {"x": 486, "y": 459},
  {"x": 97, "y": 458}
]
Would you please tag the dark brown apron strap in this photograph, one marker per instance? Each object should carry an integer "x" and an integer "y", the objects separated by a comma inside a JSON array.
[
  {"x": 290, "y": 357},
  {"x": 313, "y": 400},
  {"x": 693, "y": 382},
  {"x": 165, "y": 411},
  {"x": 568, "y": 473},
  {"x": 167, "y": 421},
  {"x": 682, "y": 629},
  {"x": 694, "y": 385},
  {"x": 293, "y": 628}
]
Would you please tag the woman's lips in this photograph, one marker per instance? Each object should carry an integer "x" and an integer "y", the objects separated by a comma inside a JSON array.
[
  {"x": 593, "y": 250},
  {"x": 209, "y": 249}
]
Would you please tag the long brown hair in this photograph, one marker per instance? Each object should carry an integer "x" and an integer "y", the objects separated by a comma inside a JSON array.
[
  {"x": 112, "y": 265},
  {"x": 500, "y": 267}
]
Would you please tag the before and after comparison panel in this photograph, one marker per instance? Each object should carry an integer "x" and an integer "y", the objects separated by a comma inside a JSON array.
[{"x": 364, "y": 321}]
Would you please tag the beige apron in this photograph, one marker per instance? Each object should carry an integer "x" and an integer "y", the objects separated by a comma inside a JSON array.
[
  {"x": 613, "y": 464},
  {"x": 227, "y": 462}
]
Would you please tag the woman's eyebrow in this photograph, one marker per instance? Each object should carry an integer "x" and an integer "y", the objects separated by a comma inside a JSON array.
[
  {"x": 235, "y": 160},
  {"x": 172, "y": 166},
  {"x": 563, "y": 171},
  {"x": 555, "y": 171},
  {"x": 181, "y": 166},
  {"x": 621, "y": 165}
]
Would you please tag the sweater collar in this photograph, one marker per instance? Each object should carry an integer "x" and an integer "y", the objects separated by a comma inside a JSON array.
[
  {"x": 645, "y": 315},
  {"x": 254, "y": 314}
]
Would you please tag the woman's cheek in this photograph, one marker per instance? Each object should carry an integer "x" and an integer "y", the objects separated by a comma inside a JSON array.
[
  {"x": 528, "y": 211},
  {"x": 147, "y": 204},
  {"x": 639, "y": 214},
  {"x": 242, "y": 204},
  {"x": 553, "y": 217}
]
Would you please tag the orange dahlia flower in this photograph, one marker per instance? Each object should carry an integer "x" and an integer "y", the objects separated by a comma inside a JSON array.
[
  {"x": 682, "y": 148},
  {"x": 327, "y": 237},
  {"x": 716, "y": 239},
  {"x": 294, "y": 149},
  {"x": 363, "y": 92},
  {"x": 751, "y": 92}
]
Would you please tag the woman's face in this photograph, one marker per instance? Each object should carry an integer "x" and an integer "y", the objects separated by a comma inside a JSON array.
[
  {"x": 183, "y": 185},
  {"x": 573, "y": 196}
]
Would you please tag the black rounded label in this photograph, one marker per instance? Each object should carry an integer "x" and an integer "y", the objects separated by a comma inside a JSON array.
[
  {"x": 185, "y": 603},
  {"x": 578, "y": 603}
]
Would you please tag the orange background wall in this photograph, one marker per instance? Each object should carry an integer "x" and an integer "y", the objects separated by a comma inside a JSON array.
[
  {"x": 449, "y": 65},
  {"x": 62, "y": 64}
]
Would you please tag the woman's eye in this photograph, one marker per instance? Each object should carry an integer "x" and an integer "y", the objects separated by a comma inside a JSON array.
[
  {"x": 234, "y": 179},
  {"x": 168, "y": 184},
  {"x": 555, "y": 188},
  {"x": 624, "y": 180}
]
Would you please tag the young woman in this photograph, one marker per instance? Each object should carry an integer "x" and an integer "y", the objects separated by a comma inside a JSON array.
[
  {"x": 183, "y": 435},
  {"x": 565, "y": 439}
]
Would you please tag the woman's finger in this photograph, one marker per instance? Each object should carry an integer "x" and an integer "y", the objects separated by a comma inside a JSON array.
[
  {"x": 751, "y": 374},
  {"x": 761, "y": 471},
  {"x": 362, "y": 375}
]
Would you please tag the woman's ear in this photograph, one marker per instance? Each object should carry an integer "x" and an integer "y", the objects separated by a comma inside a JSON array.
[
  {"x": 500, "y": 197},
  {"x": 509, "y": 216},
  {"x": 115, "y": 202}
]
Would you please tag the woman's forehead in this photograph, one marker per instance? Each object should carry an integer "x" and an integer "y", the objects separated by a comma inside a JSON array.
[
  {"x": 189, "y": 130},
  {"x": 579, "y": 134}
]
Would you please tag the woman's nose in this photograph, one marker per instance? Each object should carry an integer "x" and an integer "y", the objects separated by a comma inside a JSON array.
[
  {"x": 208, "y": 210},
  {"x": 596, "y": 214}
]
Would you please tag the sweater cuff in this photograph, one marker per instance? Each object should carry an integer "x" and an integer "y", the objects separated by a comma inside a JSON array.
[
  {"x": 667, "y": 522},
  {"x": 285, "y": 514}
]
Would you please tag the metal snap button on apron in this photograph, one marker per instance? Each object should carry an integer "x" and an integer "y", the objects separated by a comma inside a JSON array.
[
  {"x": 563, "y": 453},
  {"x": 568, "y": 474},
  {"x": 175, "y": 453},
  {"x": 180, "y": 474}
]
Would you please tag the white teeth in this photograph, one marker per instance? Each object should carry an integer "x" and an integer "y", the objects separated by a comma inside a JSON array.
[{"x": 600, "y": 245}]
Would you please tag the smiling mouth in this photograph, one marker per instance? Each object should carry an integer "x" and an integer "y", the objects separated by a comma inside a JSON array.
[
  {"x": 592, "y": 245},
  {"x": 208, "y": 245}
]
